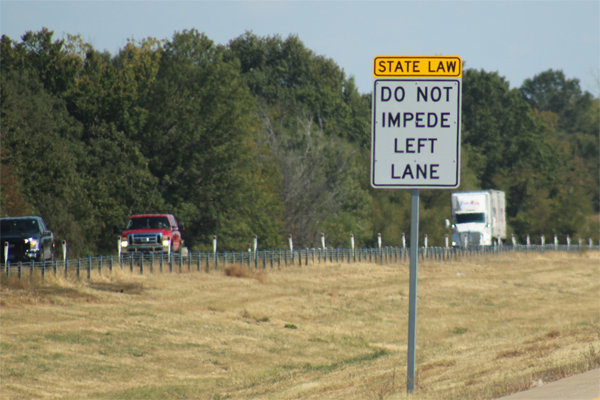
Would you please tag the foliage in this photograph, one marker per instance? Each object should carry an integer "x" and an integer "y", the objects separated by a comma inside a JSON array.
[
  {"x": 199, "y": 144},
  {"x": 12, "y": 200},
  {"x": 40, "y": 145},
  {"x": 287, "y": 75},
  {"x": 264, "y": 137},
  {"x": 576, "y": 118},
  {"x": 519, "y": 150},
  {"x": 316, "y": 124}
]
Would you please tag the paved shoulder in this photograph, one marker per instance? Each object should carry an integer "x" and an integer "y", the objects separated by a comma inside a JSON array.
[{"x": 584, "y": 386}]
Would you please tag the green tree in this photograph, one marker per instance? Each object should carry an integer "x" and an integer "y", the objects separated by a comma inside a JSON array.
[
  {"x": 199, "y": 142},
  {"x": 117, "y": 182},
  {"x": 98, "y": 97},
  {"x": 577, "y": 119},
  {"x": 316, "y": 124},
  {"x": 287, "y": 75},
  {"x": 56, "y": 68},
  {"x": 12, "y": 201},
  {"x": 41, "y": 145},
  {"x": 552, "y": 91},
  {"x": 114, "y": 89},
  {"x": 109, "y": 100},
  {"x": 513, "y": 148},
  {"x": 320, "y": 181}
]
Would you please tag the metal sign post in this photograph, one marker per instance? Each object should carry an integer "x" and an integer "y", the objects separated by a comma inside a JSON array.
[
  {"x": 415, "y": 143},
  {"x": 412, "y": 299}
]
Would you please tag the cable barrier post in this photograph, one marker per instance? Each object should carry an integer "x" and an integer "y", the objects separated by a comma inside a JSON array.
[{"x": 249, "y": 254}]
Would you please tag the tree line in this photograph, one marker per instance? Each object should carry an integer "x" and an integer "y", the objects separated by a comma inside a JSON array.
[{"x": 262, "y": 136}]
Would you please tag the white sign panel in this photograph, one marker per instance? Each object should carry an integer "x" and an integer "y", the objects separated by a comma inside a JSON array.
[
  {"x": 416, "y": 133},
  {"x": 416, "y": 122}
]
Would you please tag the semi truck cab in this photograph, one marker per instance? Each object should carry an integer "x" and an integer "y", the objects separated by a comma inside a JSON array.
[{"x": 478, "y": 218}]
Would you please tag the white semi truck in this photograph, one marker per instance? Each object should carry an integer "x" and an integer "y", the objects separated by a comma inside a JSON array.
[{"x": 478, "y": 218}]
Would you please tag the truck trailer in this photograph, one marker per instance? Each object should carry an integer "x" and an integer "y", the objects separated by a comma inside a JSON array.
[{"x": 478, "y": 218}]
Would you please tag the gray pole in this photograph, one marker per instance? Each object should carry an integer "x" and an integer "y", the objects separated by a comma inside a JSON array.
[{"x": 412, "y": 301}]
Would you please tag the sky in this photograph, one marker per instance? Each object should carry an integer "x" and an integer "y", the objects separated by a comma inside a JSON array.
[{"x": 517, "y": 39}]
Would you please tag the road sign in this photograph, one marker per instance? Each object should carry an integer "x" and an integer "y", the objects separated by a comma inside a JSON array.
[
  {"x": 417, "y": 66},
  {"x": 415, "y": 144},
  {"x": 416, "y": 122}
]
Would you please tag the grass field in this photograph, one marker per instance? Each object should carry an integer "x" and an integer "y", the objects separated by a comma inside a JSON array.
[{"x": 486, "y": 327}]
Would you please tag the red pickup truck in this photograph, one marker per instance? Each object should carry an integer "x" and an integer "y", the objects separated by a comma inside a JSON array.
[{"x": 151, "y": 233}]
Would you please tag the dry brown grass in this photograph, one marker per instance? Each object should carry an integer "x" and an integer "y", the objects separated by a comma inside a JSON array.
[
  {"x": 486, "y": 327},
  {"x": 238, "y": 271}
]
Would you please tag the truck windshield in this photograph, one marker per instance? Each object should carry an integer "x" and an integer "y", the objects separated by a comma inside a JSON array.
[
  {"x": 469, "y": 218},
  {"x": 22, "y": 226},
  {"x": 148, "y": 223}
]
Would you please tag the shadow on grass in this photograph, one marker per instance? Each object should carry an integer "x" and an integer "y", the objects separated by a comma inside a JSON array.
[{"x": 56, "y": 290}]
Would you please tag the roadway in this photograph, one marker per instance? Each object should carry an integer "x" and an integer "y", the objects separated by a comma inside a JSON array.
[{"x": 584, "y": 386}]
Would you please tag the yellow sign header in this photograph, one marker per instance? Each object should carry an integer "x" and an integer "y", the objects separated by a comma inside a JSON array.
[{"x": 417, "y": 66}]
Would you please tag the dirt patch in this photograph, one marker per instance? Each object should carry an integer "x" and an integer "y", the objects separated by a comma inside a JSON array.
[{"x": 237, "y": 271}]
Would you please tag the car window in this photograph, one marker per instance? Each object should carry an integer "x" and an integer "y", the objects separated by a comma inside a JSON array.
[
  {"x": 5, "y": 227},
  {"x": 148, "y": 223},
  {"x": 137, "y": 223},
  {"x": 23, "y": 226},
  {"x": 159, "y": 223}
]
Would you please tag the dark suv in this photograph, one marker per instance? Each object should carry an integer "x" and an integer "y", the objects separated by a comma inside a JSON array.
[{"x": 28, "y": 239}]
